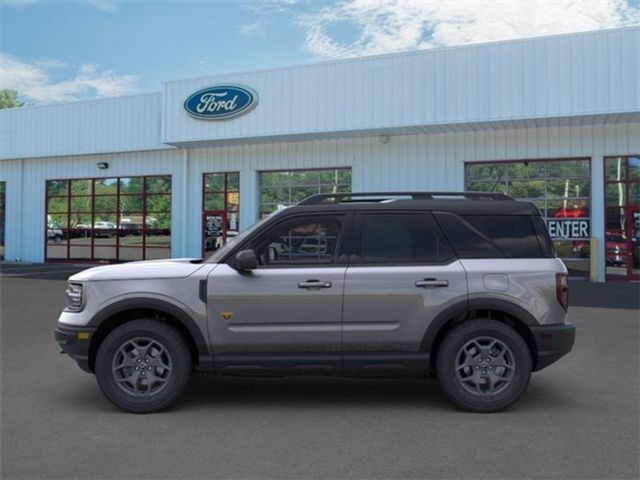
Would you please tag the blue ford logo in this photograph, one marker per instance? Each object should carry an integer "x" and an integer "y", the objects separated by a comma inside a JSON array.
[{"x": 221, "y": 102}]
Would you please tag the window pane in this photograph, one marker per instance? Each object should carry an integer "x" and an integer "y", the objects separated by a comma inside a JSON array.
[
  {"x": 57, "y": 229},
  {"x": 130, "y": 254},
  {"x": 131, "y": 185},
  {"x": 575, "y": 254},
  {"x": 513, "y": 234},
  {"x": 81, "y": 187},
  {"x": 306, "y": 178},
  {"x": 214, "y": 182},
  {"x": 158, "y": 184},
  {"x": 569, "y": 188},
  {"x": 131, "y": 233},
  {"x": 286, "y": 188},
  {"x": 526, "y": 188},
  {"x": 106, "y": 186},
  {"x": 568, "y": 168},
  {"x": 489, "y": 172},
  {"x": 81, "y": 204},
  {"x": 306, "y": 242},
  {"x": 57, "y": 204},
  {"x": 131, "y": 204},
  {"x": 268, "y": 179},
  {"x": 233, "y": 201},
  {"x": 615, "y": 194},
  {"x": 634, "y": 194},
  {"x": 274, "y": 195},
  {"x": 214, "y": 201},
  {"x": 157, "y": 253},
  {"x": 57, "y": 187},
  {"x": 489, "y": 186},
  {"x": 233, "y": 181},
  {"x": 158, "y": 203},
  {"x": 519, "y": 170},
  {"x": 572, "y": 208},
  {"x": 410, "y": 238},
  {"x": 104, "y": 252},
  {"x": 616, "y": 168},
  {"x": 106, "y": 204},
  {"x": 634, "y": 168}
]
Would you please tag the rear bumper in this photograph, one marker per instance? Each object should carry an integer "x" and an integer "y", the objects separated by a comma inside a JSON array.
[
  {"x": 552, "y": 342},
  {"x": 74, "y": 345}
]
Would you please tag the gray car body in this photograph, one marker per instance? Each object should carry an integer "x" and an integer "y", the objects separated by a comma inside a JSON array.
[{"x": 371, "y": 319}]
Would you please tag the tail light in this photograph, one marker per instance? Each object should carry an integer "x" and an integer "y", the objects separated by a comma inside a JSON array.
[{"x": 562, "y": 290}]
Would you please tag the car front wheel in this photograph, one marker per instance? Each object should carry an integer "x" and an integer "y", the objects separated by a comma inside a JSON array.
[
  {"x": 143, "y": 366},
  {"x": 483, "y": 365}
]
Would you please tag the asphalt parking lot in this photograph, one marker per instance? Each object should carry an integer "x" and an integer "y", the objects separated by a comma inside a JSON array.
[{"x": 578, "y": 419}]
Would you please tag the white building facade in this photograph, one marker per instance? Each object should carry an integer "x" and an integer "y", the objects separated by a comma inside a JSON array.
[{"x": 554, "y": 120}]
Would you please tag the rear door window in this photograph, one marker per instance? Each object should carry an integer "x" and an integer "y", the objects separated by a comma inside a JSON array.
[{"x": 401, "y": 238}]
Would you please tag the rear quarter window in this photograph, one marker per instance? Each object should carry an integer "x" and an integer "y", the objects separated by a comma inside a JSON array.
[{"x": 491, "y": 236}]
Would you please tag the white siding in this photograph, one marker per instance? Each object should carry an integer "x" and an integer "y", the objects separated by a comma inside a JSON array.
[
  {"x": 594, "y": 73},
  {"x": 97, "y": 126},
  {"x": 26, "y": 206}
]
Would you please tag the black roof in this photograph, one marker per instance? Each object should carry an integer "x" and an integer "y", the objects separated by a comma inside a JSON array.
[{"x": 458, "y": 202}]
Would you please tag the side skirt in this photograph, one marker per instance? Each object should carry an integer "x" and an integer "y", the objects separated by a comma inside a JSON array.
[{"x": 370, "y": 364}]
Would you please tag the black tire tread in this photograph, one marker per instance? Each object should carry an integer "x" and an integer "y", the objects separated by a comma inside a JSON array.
[
  {"x": 182, "y": 365},
  {"x": 448, "y": 350}
]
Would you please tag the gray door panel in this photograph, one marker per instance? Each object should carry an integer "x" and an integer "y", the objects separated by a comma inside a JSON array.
[
  {"x": 388, "y": 308},
  {"x": 285, "y": 310}
]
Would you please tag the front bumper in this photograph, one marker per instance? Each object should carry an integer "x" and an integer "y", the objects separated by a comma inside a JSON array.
[
  {"x": 552, "y": 342},
  {"x": 75, "y": 342}
]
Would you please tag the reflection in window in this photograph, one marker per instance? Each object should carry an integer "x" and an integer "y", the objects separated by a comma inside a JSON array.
[
  {"x": 109, "y": 219},
  {"x": 221, "y": 209},
  {"x": 561, "y": 189},
  {"x": 2, "y": 216},
  {"x": 303, "y": 243},
  {"x": 282, "y": 188}
]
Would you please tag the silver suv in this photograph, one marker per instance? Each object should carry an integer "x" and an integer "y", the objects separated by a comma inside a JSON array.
[{"x": 465, "y": 287}]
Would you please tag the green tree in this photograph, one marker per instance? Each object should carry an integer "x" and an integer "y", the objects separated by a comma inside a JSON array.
[{"x": 9, "y": 99}]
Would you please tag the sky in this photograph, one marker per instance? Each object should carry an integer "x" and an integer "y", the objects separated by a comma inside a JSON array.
[{"x": 58, "y": 51}]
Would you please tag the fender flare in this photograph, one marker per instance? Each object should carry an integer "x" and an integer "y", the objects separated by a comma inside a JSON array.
[
  {"x": 205, "y": 358},
  {"x": 464, "y": 307}
]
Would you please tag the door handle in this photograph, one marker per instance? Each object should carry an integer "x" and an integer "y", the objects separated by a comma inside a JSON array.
[
  {"x": 313, "y": 284},
  {"x": 431, "y": 283}
]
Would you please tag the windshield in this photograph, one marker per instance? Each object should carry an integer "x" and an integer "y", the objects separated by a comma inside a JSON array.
[{"x": 231, "y": 241}]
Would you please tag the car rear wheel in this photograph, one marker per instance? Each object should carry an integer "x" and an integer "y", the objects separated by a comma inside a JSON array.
[
  {"x": 143, "y": 366},
  {"x": 483, "y": 365}
]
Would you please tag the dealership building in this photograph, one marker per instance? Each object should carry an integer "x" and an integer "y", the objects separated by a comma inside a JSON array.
[{"x": 552, "y": 120}]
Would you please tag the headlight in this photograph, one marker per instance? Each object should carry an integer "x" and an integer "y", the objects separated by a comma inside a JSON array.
[{"x": 74, "y": 297}]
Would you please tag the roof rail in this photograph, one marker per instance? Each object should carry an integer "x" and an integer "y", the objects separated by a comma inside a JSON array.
[{"x": 383, "y": 196}]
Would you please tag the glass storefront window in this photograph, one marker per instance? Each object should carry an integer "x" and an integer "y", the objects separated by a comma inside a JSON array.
[
  {"x": 622, "y": 217},
  {"x": 220, "y": 209},
  {"x": 282, "y": 188},
  {"x": 3, "y": 187},
  {"x": 109, "y": 219},
  {"x": 561, "y": 189}
]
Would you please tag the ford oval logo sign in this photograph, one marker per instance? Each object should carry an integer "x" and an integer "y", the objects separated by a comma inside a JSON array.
[{"x": 221, "y": 102}]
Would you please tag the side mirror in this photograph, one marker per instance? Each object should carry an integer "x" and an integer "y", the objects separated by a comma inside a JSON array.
[{"x": 246, "y": 260}]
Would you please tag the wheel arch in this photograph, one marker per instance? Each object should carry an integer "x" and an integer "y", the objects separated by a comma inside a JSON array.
[
  {"x": 124, "y": 311},
  {"x": 506, "y": 312}
]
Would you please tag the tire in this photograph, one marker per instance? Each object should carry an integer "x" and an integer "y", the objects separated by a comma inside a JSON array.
[
  {"x": 143, "y": 366},
  {"x": 472, "y": 382}
]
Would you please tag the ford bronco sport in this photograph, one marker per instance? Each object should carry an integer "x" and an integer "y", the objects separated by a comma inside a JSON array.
[{"x": 461, "y": 286}]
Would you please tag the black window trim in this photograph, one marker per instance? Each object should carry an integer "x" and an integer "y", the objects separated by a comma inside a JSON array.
[{"x": 355, "y": 258}]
